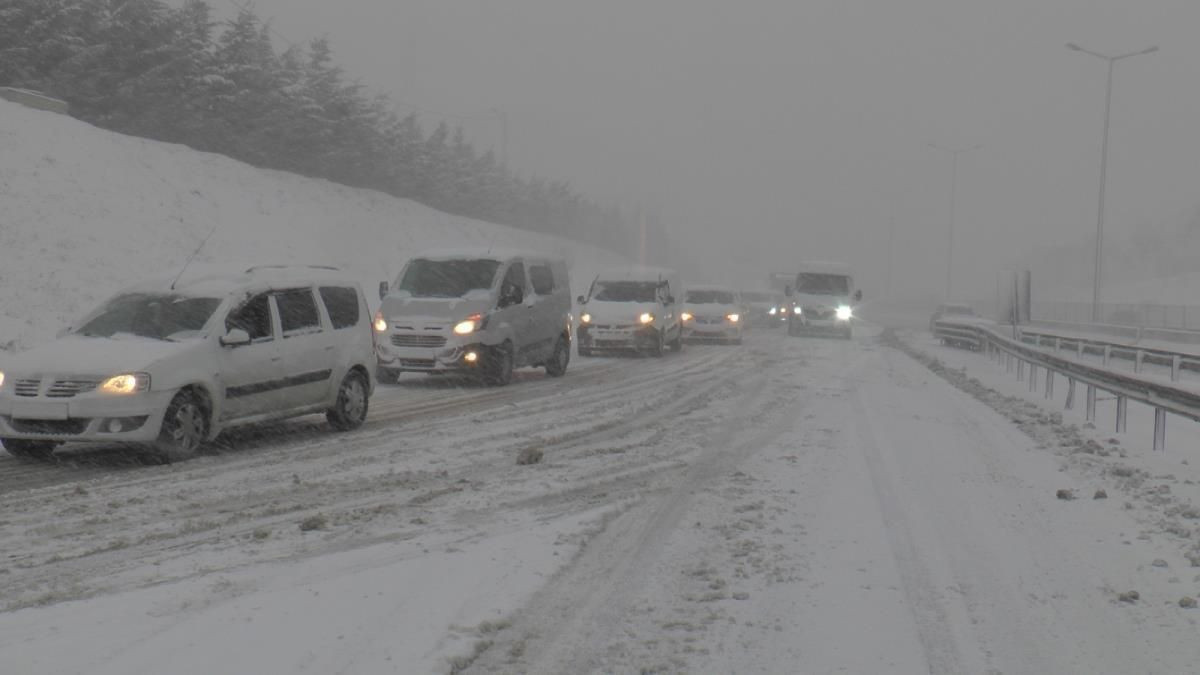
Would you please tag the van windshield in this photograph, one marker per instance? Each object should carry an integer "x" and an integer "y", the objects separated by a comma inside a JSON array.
[
  {"x": 424, "y": 278},
  {"x": 822, "y": 284},
  {"x": 625, "y": 291},
  {"x": 160, "y": 316},
  {"x": 710, "y": 297}
]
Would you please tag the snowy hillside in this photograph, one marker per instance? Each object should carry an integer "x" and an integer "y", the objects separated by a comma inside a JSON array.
[{"x": 84, "y": 212}]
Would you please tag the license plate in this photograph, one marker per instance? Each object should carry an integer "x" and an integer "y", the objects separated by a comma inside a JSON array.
[{"x": 27, "y": 410}]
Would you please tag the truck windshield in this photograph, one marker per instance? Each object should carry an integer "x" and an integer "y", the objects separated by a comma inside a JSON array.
[
  {"x": 424, "y": 278},
  {"x": 625, "y": 291},
  {"x": 710, "y": 297},
  {"x": 154, "y": 315},
  {"x": 822, "y": 284}
]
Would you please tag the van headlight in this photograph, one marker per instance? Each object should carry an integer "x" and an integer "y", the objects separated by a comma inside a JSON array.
[
  {"x": 380, "y": 323},
  {"x": 844, "y": 312},
  {"x": 797, "y": 310},
  {"x": 469, "y": 325},
  {"x": 126, "y": 383},
  {"x": 646, "y": 317},
  {"x": 1, "y": 378},
  {"x": 686, "y": 316},
  {"x": 585, "y": 318},
  {"x": 772, "y": 311},
  {"x": 733, "y": 318}
]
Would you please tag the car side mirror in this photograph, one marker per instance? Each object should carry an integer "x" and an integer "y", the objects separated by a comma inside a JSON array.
[
  {"x": 235, "y": 338},
  {"x": 383, "y": 289},
  {"x": 512, "y": 295},
  {"x": 670, "y": 300},
  {"x": 858, "y": 295},
  {"x": 581, "y": 300},
  {"x": 63, "y": 332}
]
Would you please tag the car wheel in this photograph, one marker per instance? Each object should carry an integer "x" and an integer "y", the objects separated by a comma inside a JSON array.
[
  {"x": 499, "y": 369},
  {"x": 677, "y": 343},
  {"x": 184, "y": 428},
  {"x": 350, "y": 409},
  {"x": 20, "y": 447},
  {"x": 387, "y": 375},
  {"x": 557, "y": 365}
]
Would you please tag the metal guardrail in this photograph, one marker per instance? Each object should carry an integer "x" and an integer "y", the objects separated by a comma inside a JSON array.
[
  {"x": 1108, "y": 349},
  {"x": 1018, "y": 355}
]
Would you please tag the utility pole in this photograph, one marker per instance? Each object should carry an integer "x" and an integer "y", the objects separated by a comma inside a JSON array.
[
  {"x": 1112, "y": 60},
  {"x": 954, "y": 153},
  {"x": 891, "y": 252},
  {"x": 502, "y": 117}
]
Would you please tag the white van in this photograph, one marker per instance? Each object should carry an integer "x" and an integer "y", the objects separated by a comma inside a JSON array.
[
  {"x": 482, "y": 312},
  {"x": 822, "y": 298},
  {"x": 170, "y": 364},
  {"x": 637, "y": 308}
]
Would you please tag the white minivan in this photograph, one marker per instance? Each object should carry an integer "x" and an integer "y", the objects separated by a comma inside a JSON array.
[
  {"x": 822, "y": 298},
  {"x": 170, "y": 364},
  {"x": 638, "y": 308},
  {"x": 479, "y": 312}
]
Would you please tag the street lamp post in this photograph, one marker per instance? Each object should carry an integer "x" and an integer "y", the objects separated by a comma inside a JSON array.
[
  {"x": 954, "y": 153},
  {"x": 1112, "y": 60}
]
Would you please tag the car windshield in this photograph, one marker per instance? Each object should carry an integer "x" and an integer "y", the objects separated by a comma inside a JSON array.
[
  {"x": 957, "y": 309},
  {"x": 424, "y": 278},
  {"x": 822, "y": 284},
  {"x": 710, "y": 297},
  {"x": 625, "y": 291},
  {"x": 162, "y": 316}
]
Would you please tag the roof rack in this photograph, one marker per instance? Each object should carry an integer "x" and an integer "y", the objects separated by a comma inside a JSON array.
[{"x": 251, "y": 270}]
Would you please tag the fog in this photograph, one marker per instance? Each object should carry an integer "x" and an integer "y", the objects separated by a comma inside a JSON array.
[{"x": 769, "y": 131}]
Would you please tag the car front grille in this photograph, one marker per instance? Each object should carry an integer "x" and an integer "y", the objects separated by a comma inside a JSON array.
[
  {"x": 422, "y": 364},
  {"x": 27, "y": 387},
  {"x": 433, "y": 341},
  {"x": 819, "y": 312},
  {"x": 71, "y": 427},
  {"x": 69, "y": 388}
]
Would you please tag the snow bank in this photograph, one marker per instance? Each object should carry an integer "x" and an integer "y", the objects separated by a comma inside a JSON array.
[{"x": 84, "y": 212}]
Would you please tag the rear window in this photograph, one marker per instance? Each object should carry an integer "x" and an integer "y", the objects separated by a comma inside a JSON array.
[
  {"x": 542, "y": 279},
  {"x": 342, "y": 305}
]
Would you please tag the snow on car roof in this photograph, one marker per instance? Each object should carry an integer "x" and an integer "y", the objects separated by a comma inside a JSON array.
[
  {"x": 636, "y": 273},
  {"x": 483, "y": 253},
  {"x": 221, "y": 280},
  {"x": 823, "y": 267},
  {"x": 711, "y": 287}
]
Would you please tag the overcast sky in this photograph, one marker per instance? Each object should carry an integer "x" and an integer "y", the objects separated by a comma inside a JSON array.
[{"x": 777, "y": 129}]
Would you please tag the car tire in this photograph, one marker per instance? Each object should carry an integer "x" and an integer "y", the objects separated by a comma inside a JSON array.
[
  {"x": 498, "y": 370},
  {"x": 184, "y": 428},
  {"x": 387, "y": 375},
  {"x": 350, "y": 410},
  {"x": 557, "y": 365},
  {"x": 28, "y": 449},
  {"x": 677, "y": 343}
]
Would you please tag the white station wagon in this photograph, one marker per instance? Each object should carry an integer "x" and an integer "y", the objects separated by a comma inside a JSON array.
[{"x": 170, "y": 365}]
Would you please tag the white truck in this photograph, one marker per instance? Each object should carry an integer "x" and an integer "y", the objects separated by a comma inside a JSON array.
[{"x": 822, "y": 298}]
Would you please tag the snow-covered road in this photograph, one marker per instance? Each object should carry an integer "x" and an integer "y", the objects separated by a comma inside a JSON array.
[{"x": 791, "y": 506}]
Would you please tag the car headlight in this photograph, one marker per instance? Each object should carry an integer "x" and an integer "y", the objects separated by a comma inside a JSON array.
[
  {"x": 772, "y": 311},
  {"x": 733, "y": 318},
  {"x": 126, "y": 383},
  {"x": 686, "y": 316},
  {"x": 469, "y": 325},
  {"x": 380, "y": 323},
  {"x": 585, "y": 318},
  {"x": 844, "y": 312},
  {"x": 646, "y": 317},
  {"x": 1, "y": 378},
  {"x": 797, "y": 310}
]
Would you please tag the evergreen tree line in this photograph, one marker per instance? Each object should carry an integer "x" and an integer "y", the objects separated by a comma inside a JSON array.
[{"x": 147, "y": 69}]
